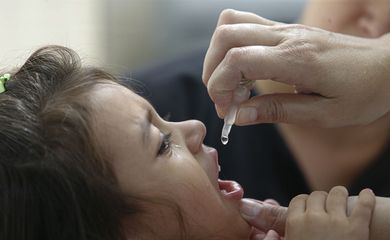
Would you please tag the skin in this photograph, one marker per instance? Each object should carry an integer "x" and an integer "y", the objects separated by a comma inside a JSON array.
[
  {"x": 327, "y": 157},
  {"x": 186, "y": 174},
  {"x": 312, "y": 216},
  {"x": 246, "y": 45},
  {"x": 324, "y": 216}
]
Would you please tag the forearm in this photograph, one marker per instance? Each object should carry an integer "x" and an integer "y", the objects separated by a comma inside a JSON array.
[
  {"x": 380, "y": 223},
  {"x": 386, "y": 40}
]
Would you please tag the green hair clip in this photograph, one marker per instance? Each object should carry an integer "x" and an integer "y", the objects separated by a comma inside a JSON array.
[{"x": 3, "y": 80}]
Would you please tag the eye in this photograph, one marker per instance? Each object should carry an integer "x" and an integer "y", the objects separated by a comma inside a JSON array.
[{"x": 165, "y": 144}]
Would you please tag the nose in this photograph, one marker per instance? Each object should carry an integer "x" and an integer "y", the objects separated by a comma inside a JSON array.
[{"x": 193, "y": 133}]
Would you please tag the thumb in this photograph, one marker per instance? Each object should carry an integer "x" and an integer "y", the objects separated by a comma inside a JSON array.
[
  {"x": 271, "y": 235},
  {"x": 283, "y": 107},
  {"x": 264, "y": 216}
]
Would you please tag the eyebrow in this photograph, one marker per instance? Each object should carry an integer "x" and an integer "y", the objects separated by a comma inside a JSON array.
[{"x": 146, "y": 128}]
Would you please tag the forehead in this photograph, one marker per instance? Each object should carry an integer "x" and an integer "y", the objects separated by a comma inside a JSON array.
[
  {"x": 115, "y": 96},
  {"x": 118, "y": 114},
  {"x": 115, "y": 104}
]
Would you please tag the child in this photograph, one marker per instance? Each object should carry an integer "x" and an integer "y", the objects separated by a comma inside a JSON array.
[{"x": 83, "y": 157}]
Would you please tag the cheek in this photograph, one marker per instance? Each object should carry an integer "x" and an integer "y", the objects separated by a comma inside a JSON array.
[{"x": 205, "y": 209}]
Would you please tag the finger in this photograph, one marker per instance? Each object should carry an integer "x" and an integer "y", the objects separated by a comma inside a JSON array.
[
  {"x": 300, "y": 109},
  {"x": 297, "y": 205},
  {"x": 271, "y": 235},
  {"x": 257, "y": 234},
  {"x": 255, "y": 62},
  {"x": 264, "y": 216},
  {"x": 269, "y": 201},
  {"x": 336, "y": 203},
  {"x": 316, "y": 201},
  {"x": 272, "y": 202},
  {"x": 231, "y": 16},
  {"x": 362, "y": 211},
  {"x": 231, "y": 36},
  {"x": 222, "y": 35}
]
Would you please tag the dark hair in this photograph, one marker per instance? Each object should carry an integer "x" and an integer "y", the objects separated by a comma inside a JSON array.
[{"x": 54, "y": 183}]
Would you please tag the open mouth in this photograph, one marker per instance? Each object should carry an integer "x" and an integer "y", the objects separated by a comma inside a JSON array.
[{"x": 230, "y": 189}]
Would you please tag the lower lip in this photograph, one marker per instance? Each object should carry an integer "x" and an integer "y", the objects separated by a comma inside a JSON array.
[{"x": 231, "y": 189}]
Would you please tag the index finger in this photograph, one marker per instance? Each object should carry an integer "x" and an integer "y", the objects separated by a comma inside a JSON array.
[
  {"x": 231, "y": 16},
  {"x": 216, "y": 53}
]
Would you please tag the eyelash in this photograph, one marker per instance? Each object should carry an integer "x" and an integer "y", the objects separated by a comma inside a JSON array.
[{"x": 165, "y": 144}]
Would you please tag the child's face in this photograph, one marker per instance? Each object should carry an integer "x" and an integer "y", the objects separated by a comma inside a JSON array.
[{"x": 184, "y": 171}]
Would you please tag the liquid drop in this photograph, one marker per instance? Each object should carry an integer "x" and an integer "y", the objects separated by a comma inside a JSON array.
[{"x": 224, "y": 140}]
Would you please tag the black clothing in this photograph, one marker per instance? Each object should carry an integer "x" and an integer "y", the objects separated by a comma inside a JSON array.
[{"x": 256, "y": 156}]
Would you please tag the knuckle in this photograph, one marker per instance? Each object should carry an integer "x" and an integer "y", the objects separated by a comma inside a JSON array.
[
  {"x": 222, "y": 32},
  {"x": 293, "y": 29},
  {"x": 272, "y": 201},
  {"x": 299, "y": 27},
  {"x": 301, "y": 50},
  {"x": 300, "y": 46},
  {"x": 275, "y": 111},
  {"x": 227, "y": 16},
  {"x": 233, "y": 56},
  {"x": 214, "y": 92},
  {"x": 277, "y": 218}
]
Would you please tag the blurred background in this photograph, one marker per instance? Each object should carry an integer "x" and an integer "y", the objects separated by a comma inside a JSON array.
[{"x": 121, "y": 35}]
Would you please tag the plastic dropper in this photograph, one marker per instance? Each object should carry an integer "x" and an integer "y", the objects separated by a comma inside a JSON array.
[{"x": 240, "y": 94}]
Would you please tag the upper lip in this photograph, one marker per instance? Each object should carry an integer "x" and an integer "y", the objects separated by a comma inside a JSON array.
[{"x": 212, "y": 152}]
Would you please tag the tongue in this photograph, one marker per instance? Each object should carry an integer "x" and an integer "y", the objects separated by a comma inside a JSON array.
[{"x": 231, "y": 189}]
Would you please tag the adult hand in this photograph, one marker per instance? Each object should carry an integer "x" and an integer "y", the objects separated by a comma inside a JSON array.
[{"x": 340, "y": 80}]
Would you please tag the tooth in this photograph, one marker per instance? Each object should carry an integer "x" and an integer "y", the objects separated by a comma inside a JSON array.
[
  {"x": 223, "y": 191},
  {"x": 219, "y": 168}
]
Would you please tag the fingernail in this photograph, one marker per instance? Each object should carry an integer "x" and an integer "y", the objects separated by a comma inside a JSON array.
[
  {"x": 223, "y": 99},
  {"x": 247, "y": 115},
  {"x": 249, "y": 209},
  {"x": 369, "y": 189}
]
